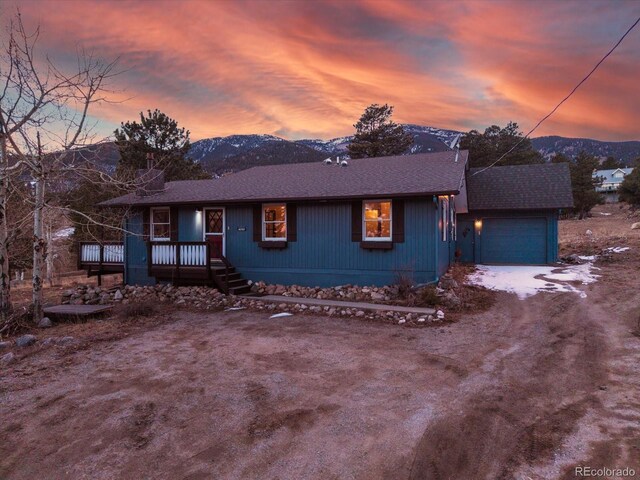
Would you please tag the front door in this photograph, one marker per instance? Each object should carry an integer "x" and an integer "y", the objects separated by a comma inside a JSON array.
[{"x": 214, "y": 231}]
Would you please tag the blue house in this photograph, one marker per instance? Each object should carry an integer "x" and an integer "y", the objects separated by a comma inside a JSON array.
[{"x": 321, "y": 224}]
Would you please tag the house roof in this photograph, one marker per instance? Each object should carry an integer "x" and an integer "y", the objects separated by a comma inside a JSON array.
[
  {"x": 607, "y": 175},
  {"x": 407, "y": 175},
  {"x": 520, "y": 187}
]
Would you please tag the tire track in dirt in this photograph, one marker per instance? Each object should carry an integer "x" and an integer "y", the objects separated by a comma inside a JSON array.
[{"x": 536, "y": 394}]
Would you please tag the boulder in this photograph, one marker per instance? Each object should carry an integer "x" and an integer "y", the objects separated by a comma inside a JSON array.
[
  {"x": 118, "y": 295},
  {"x": 8, "y": 358},
  {"x": 440, "y": 315},
  {"x": 635, "y": 226},
  {"x": 45, "y": 323},
  {"x": 448, "y": 283},
  {"x": 25, "y": 340}
]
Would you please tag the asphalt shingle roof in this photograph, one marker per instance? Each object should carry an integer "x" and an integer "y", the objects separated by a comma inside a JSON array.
[
  {"x": 520, "y": 187},
  {"x": 407, "y": 175}
]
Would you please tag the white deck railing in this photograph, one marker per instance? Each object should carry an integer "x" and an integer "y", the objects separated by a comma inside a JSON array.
[
  {"x": 190, "y": 254},
  {"x": 111, "y": 253}
]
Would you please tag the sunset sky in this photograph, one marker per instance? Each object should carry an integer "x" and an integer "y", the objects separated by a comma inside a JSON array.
[{"x": 302, "y": 69}]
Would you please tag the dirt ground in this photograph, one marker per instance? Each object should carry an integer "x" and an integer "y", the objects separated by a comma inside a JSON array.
[{"x": 528, "y": 389}]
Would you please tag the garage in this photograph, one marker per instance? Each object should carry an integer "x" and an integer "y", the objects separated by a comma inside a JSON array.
[
  {"x": 513, "y": 214},
  {"x": 514, "y": 241}
]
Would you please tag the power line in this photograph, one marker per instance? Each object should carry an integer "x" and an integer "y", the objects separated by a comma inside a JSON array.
[{"x": 564, "y": 99}]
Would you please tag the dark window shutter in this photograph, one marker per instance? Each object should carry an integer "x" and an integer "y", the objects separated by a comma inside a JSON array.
[
  {"x": 397, "y": 219},
  {"x": 257, "y": 223},
  {"x": 292, "y": 222},
  {"x": 356, "y": 221},
  {"x": 173, "y": 220},
  {"x": 146, "y": 227}
]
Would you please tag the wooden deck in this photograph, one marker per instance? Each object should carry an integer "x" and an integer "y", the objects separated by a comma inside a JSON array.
[{"x": 76, "y": 310}]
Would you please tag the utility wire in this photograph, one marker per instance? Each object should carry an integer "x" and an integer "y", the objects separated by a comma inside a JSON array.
[{"x": 563, "y": 100}]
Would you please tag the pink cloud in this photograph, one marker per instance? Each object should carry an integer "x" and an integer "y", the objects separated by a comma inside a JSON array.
[{"x": 310, "y": 68}]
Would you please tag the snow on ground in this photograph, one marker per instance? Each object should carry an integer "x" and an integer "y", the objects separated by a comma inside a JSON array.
[
  {"x": 618, "y": 249},
  {"x": 525, "y": 281}
]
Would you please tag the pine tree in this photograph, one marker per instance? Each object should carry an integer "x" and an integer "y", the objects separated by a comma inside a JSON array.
[
  {"x": 611, "y": 163},
  {"x": 485, "y": 148},
  {"x": 629, "y": 189},
  {"x": 584, "y": 184},
  {"x": 158, "y": 134},
  {"x": 377, "y": 136}
]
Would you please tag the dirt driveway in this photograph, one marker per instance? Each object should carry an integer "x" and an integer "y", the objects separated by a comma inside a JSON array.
[{"x": 529, "y": 389}]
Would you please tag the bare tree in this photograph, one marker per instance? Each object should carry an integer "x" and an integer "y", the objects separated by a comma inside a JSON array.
[{"x": 43, "y": 120}]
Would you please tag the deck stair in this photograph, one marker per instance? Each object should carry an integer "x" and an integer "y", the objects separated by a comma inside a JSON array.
[{"x": 227, "y": 279}]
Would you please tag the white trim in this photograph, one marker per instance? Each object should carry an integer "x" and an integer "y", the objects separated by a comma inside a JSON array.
[
  {"x": 364, "y": 224},
  {"x": 444, "y": 218},
  {"x": 151, "y": 224},
  {"x": 263, "y": 223},
  {"x": 224, "y": 227}
]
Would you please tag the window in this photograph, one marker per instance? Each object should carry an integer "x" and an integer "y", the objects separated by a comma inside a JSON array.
[
  {"x": 444, "y": 218},
  {"x": 376, "y": 216},
  {"x": 160, "y": 225},
  {"x": 274, "y": 222}
]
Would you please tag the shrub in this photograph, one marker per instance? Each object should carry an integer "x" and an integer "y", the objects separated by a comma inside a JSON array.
[
  {"x": 428, "y": 296},
  {"x": 404, "y": 281}
]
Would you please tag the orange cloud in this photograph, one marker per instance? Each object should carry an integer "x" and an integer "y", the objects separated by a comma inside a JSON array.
[{"x": 303, "y": 69}]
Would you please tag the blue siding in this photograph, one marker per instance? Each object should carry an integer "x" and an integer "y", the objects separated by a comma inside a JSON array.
[
  {"x": 190, "y": 224},
  {"x": 525, "y": 237},
  {"x": 324, "y": 254},
  {"x": 136, "y": 252}
]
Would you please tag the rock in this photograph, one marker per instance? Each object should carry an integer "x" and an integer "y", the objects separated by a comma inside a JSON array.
[
  {"x": 573, "y": 259},
  {"x": 452, "y": 300},
  {"x": 25, "y": 340},
  {"x": 588, "y": 232},
  {"x": 359, "y": 313},
  {"x": 448, "y": 283},
  {"x": 377, "y": 296},
  {"x": 279, "y": 290},
  {"x": 48, "y": 341},
  {"x": 8, "y": 358},
  {"x": 45, "y": 323},
  {"x": 401, "y": 321},
  {"x": 422, "y": 320},
  {"x": 440, "y": 315},
  {"x": 635, "y": 226},
  {"x": 118, "y": 295},
  {"x": 66, "y": 340},
  {"x": 4, "y": 345}
]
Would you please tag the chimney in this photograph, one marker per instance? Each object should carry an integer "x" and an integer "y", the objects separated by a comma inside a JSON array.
[{"x": 149, "y": 180}]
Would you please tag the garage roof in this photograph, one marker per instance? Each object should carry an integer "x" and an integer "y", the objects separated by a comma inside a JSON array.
[{"x": 520, "y": 187}]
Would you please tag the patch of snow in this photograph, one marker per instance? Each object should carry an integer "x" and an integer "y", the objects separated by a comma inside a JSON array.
[
  {"x": 526, "y": 281},
  {"x": 280, "y": 315},
  {"x": 233, "y": 309},
  {"x": 618, "y": 249},
  {"x": 64, "y": 232},
  {"x": 605, "y": 214},
  {"x": 588, "y": 258}
]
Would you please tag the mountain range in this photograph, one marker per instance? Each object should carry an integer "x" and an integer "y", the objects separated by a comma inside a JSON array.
[{"x": 237, "y": 152}]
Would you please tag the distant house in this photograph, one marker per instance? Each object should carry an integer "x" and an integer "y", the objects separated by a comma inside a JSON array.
[
  {"x": 611, "y": 180},
  {"x": 325, "y": 224}
]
